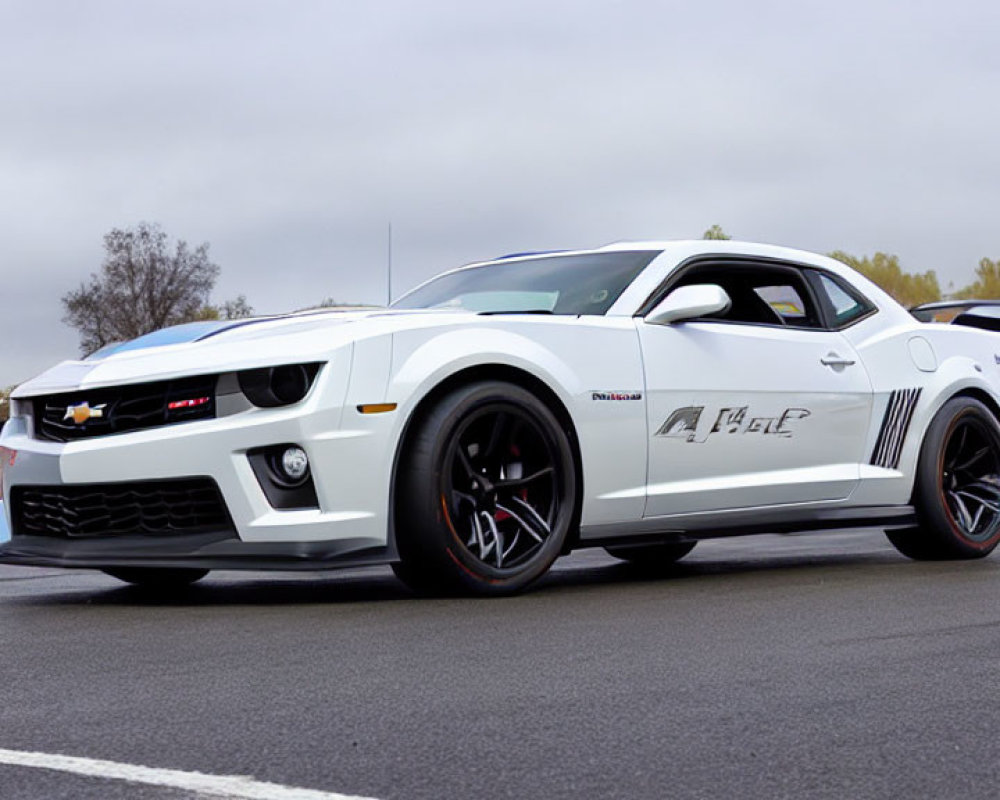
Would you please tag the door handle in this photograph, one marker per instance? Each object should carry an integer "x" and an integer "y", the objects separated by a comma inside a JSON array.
[{"x": 833, "y": 360}]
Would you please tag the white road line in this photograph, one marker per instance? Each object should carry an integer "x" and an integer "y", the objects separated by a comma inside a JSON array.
[{"x": 239, "y": 787}]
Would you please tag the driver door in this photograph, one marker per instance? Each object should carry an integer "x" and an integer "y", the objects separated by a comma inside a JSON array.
[{"x": 761, "y": 407}]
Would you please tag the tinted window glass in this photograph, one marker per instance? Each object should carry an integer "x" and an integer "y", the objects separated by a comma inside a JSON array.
[
  {"x": 786, "y": 302},
  {"x": 846, "y": 305},
  {"x": 574, "y": 284},
  {"x": 759, "y": 294}
]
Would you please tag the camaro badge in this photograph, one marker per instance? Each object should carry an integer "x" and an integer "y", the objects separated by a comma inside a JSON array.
[
  {"x": 83, "y": 412},
  {"x": 616, "y": 395}
]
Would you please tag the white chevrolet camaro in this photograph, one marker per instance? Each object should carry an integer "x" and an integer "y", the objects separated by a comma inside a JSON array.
[{"x": 637, "y": 397}]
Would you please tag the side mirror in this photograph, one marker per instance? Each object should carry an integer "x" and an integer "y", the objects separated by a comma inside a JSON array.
[{"x": 690, "y": 302}]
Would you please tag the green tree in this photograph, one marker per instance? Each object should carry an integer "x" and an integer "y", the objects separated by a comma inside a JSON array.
[
  {"x": 715, "y": 232},
  {"x": 909, "y": 289},
  {"x": 987, "y": 283},
  {"x": 5, "y": 404}
]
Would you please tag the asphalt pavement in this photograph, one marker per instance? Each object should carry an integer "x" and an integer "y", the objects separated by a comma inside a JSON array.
[{"x": 821, "y": 666}]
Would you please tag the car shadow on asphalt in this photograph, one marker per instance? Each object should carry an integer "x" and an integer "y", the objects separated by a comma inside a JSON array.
[{"x": 378, "y": 585}]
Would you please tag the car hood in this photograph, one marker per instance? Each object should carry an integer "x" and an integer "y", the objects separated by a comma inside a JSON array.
[{"x": 201, "y": 348}]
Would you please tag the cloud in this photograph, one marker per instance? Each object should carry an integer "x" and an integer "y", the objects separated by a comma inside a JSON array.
[{"x": 290, "y": 135}]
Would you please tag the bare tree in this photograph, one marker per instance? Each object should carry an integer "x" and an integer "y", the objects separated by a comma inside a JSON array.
[
  {"x": 236, "y": 309},
  {"x": 141, "y": 287}
]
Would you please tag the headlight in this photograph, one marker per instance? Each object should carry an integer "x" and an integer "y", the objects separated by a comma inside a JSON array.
[{"x": 270, "y": 387}]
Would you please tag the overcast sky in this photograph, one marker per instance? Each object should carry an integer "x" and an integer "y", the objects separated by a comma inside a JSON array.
[{"x": 289, "y": 134}]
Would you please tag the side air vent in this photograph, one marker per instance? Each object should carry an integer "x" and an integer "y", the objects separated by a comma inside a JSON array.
[{"x": 895, "y": 423}]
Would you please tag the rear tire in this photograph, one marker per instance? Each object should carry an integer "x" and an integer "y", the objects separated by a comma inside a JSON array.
[
  {"x": 956, "y": 493},
  {"x": 155, "y": 577},
  {"x": 486, "y": 492},
  {"x": 653, "y": 556}
]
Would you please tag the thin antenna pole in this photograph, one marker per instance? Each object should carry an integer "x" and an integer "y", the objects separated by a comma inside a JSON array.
[{"x": 388, "y": 267}]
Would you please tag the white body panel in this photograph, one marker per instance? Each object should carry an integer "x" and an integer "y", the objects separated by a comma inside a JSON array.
[
  {"x": 805, "y": 440},
  {"x": 797, "y": 437}
]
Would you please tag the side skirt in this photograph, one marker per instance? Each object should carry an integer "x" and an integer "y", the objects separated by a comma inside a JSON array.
[{"x": 745, "y": 523}]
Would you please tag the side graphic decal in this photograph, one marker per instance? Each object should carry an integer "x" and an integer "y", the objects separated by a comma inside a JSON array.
[
  {"x": 687, "y": 423},
  {"x": 895, "y": 423}
]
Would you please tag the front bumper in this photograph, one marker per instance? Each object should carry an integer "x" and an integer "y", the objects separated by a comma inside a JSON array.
[
  {"x": 202, "y": 551},
  {"x": 351, "y": 460}
]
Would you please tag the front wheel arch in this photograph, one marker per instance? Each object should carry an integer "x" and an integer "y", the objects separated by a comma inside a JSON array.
[{"x": 479, "y": 373}]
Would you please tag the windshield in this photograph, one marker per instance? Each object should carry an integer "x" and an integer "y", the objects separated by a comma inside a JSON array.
[{"x": 573, "y": 285}]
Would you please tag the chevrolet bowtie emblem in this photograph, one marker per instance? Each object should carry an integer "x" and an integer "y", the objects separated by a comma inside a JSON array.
[{"x": 82, "y": 412}]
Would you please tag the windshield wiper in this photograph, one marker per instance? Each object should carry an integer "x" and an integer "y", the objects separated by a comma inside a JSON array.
[{"x": 528, "y": 311}]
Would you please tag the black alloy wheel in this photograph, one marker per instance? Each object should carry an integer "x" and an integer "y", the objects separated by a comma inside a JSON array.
[
  {"x": 487, "y": 492},
  {"x": 970, "y": 479},
  {"x": 957, "y": 488},
  {"x": 500, "y": 489}
]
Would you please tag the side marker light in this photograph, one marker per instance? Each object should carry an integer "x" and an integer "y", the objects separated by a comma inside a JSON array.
[{"x": 377, "y": 408}]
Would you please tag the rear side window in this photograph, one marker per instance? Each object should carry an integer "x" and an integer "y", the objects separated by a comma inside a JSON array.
[{"x": 845, "y": 304}]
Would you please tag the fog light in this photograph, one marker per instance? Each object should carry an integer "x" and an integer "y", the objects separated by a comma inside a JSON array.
[{"x": 294, "y": 464}]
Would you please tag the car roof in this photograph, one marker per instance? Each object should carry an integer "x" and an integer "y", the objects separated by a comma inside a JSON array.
[{"x": 670, "y": 253}]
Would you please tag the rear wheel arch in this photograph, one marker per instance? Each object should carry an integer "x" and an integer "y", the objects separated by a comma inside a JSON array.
[
  {"x": 982, "y": 396},
  {"x": 956, "y": 481},
  {"x": 476, "y": 374},
  {"x": 976, "y": 393}
]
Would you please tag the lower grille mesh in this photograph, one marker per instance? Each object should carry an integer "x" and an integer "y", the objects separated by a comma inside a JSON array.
[{"x": 119, "y": 509}]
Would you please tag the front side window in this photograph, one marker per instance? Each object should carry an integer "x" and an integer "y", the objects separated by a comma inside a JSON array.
[
  {"x": 785, "y": 301},
  {"x": 759, "y": 294},
  {"x": 588, "y": 283}
]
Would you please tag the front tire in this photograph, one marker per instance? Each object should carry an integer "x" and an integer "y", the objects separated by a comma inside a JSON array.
[
  {"x": 157, "y": 578},
  {"x": 486, "y": 492},
  {"x": 956, "y": 493}
]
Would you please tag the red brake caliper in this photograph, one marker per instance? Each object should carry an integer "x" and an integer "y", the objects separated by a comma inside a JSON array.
[{"x": 500, "y": 516}]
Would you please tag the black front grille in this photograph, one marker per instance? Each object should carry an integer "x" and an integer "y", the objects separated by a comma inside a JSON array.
[
  {"x": 121, "y": 409},
  {"x": 92, "y": 510}
]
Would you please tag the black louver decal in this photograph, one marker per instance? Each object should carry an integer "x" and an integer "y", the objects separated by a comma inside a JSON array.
[{"x": 895, "y": 423}]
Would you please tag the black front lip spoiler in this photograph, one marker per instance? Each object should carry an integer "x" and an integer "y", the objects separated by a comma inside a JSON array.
[{"x": 200, "y": 551}]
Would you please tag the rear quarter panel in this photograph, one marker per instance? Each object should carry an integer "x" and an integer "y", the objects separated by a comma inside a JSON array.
[{"x": 942, "y": 361}]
